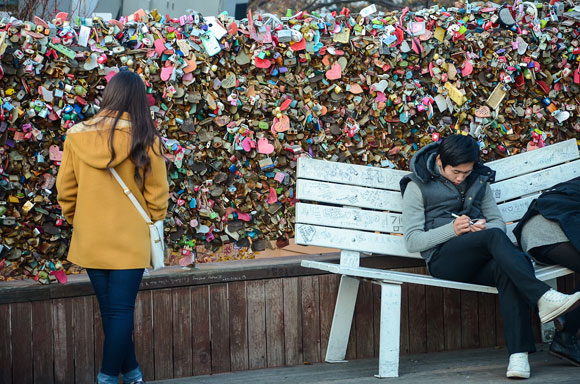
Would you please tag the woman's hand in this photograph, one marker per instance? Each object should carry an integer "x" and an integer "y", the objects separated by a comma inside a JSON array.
[
  {"x": 478, "y": 225},
  {"x": 462, "y": 225}
]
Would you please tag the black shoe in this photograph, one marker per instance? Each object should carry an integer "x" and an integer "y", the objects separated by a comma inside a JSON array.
[
  {"x": 566, "y": 347},
  {"x": 560, "y": 323}
]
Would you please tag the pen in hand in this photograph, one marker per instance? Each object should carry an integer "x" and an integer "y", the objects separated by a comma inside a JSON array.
[{"x": 471, "y": 222}]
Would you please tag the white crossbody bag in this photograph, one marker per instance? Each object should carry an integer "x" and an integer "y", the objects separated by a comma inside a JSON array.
[{"x": 155, "y": 228}]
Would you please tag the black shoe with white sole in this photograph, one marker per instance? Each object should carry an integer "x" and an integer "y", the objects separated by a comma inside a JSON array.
[{"x": 566, "y": 346}]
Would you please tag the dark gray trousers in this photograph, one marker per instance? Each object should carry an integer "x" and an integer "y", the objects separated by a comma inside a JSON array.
[{"x": 488, "y": 257}]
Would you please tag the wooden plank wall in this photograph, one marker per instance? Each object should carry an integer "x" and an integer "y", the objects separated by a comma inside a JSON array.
[{"x": 236, "y": 326}]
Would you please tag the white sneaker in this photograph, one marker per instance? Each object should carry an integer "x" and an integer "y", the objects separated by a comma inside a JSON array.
[
  {"x": 519, "y": 366},
  {"x": 553, "y": 304}
]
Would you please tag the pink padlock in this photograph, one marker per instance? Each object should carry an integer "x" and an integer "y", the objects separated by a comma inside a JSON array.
[
  {"x": 67, "y": 39},
  {"x": 233, "y": 99},
  {"x": 102, "y": 59},
  {"x": 566, "y": 72}
]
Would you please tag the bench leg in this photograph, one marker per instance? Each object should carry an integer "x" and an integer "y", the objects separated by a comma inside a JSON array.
[
  {"x": 390, "y": 330},
  {"x": 342, "y": 320},
  {"x": 548, "y": 329}
]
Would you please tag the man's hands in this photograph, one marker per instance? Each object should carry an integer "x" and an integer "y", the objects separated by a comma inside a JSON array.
[
  {"x": 478, "y": 225},
  {"x": 463, "y": 224}
]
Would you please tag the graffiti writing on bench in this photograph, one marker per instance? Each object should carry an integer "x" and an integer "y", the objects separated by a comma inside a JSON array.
[
  {"x": 351, "y": 174},
  {"x": 351, "y": 218}
]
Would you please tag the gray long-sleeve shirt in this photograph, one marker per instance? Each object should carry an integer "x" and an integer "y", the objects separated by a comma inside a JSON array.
[{"x": 419, "y": 240}]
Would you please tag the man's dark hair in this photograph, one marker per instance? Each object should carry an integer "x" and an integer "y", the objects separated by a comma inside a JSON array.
[{"x": 458, "y": 149}]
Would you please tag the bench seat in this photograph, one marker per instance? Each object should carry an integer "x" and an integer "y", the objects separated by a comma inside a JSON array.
[{"x": 543, "y": 272}]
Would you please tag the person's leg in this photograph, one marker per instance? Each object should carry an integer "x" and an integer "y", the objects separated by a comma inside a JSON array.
[
  {"x": 130, "y": 370},
  {"x": 100, "y": 281},
  {"x": 467, "y": 253},
  {"x": 519, "y": 269},
  {"x": 462, "y": 259},
  {"x": 118, "y": 349},
  {"x": 566, "y": 343},
  {"x": 514, "y": 310},
  {"x": 567, "y": 255},
  {"x": 133, "y": 377},
  {"x": 470, "y": 258},
  {"x": 560, "y": 253}
]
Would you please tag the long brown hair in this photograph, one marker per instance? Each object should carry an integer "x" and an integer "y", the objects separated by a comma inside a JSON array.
[{"x": 125, "y": 92}]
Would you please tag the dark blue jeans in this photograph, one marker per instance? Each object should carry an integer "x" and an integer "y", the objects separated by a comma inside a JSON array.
[{"x": 116, "y": 291}]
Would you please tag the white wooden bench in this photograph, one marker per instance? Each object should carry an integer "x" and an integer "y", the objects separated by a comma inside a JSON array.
[{"x": 358, "y": 209}]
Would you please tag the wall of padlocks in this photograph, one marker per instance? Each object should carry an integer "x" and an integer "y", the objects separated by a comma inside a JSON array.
[{"x": 239, "y": 101}]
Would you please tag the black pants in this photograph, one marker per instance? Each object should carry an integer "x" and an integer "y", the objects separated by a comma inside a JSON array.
[
  {"x": 567, "y": 255},
  {"x": 488, "y": 257}
]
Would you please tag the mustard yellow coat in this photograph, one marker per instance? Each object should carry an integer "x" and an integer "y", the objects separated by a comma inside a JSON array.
[{"x": 108, "y": 232}]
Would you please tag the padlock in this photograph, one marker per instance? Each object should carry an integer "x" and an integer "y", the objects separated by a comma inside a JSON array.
[
  {"x": 363, "y": 90},
  {"x": 284, "y": 35}
]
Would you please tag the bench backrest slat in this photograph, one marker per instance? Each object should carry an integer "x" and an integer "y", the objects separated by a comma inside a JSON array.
[
  {"x": 351, "y": 240},
  {"x": 343, "y": 173},
  {"x": 350, "y": 218},
  {"x": 527, "y": 162},
  {"x": 535, "y": 182},
  {"x": 342, "y": 194},
  {"x": 513, "y": 210}
]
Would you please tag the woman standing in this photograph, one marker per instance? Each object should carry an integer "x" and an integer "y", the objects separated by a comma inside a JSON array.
[
  {"x": 550, "y": 232},
  {"x": 110, "y": 239}
]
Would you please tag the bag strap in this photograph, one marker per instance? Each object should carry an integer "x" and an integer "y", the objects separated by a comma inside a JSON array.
[{"x": 131, "y": 197}]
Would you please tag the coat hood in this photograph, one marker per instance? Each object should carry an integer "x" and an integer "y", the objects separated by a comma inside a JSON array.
[
  {"x": 424, "y": 166},
  {"x": 424, "y": 162},
  {"x": 90, "y": 140}
]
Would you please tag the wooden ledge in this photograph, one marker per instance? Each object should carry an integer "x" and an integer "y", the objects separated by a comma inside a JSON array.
[{"x": 207, "y": 273}]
